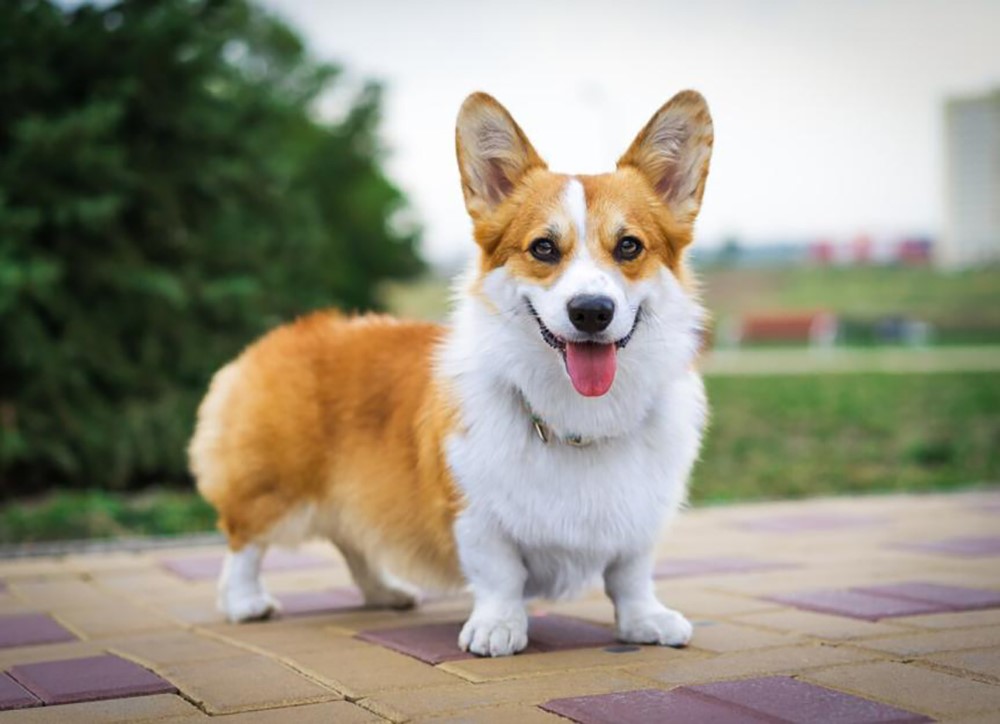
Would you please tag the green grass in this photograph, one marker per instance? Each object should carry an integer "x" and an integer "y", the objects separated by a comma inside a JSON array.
[
  {"x": 73, "y": 515},
  {"x": 796, "y": 436},
  {"x": 771, "y": 437}
]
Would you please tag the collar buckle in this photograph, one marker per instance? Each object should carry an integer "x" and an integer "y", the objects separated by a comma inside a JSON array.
[{"x": 541, "y": 429}]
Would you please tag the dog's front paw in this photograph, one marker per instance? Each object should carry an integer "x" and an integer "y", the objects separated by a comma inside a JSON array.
[
  {"x": 662, "y": 626},
  {"x": 242, "y": 606},
  {"x": 495, "y": 635}
]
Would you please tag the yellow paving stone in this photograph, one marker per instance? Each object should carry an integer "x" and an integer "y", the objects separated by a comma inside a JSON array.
[
  {"x": 160, "y": 707},
  {"x": 243, "y": 683},
  {"x": 982, "y": 662},
  {"x": 279, "y": 639},
  {"x": 985, "y": 718},
  {"x": 91, "y": 563},
  {"x": 173, "y": 647},
  {"x": 700, "y": 603},
  {"x": 149, "y": 584},
  {"x": 49, "y": 652},
  {"x": 12, "y": 604},
  {"x": 193, "y": 612},
  {"x": 402, "y": 705},
  {"x": 929, "y": 643},
  {"x": 527, "y": 665},
  {"x": 16, "y": 569},
  {"x": 965, "y": 619},
  {"x": 361, "y": 669},
  {"x": 117, "y": 619},
  {"x": 846, "y": 575},
  {"x": 912, "y": 687},
  {"x": 330, "y": 712},
  {"x": 820, "y": 625},
  {"x": 61, "y": 594},
  {"x": 597, "y": 610},
  {"x": 764, "y": 662},
  {"x": 497, "y": 715},
  {"x": 724, "y": 636},
  {"x": 352, "y": 622}
]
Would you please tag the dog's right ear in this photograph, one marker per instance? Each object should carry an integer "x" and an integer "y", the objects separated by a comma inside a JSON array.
[{"x": 493, "y": 153}]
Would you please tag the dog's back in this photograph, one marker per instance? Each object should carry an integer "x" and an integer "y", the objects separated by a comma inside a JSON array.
[{"x": 318, "y": 417}]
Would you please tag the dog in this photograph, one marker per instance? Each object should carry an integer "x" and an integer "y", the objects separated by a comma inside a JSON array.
[{"x": 531, "y": 448}]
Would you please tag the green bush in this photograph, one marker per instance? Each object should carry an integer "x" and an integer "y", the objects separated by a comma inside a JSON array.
[{"x": 166, "y": 194}]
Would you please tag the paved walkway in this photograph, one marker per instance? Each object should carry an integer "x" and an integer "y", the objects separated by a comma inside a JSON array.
[{"x": 875, "y": 609}]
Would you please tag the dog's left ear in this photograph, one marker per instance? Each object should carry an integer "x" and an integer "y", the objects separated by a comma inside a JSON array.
[{"x": 673, "y": 153}]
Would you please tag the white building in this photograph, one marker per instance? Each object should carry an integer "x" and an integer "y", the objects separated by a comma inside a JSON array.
[{"x": 972, "y": 182}]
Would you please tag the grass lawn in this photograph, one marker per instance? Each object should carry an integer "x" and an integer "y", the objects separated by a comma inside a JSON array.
[
  {"x": 803, "y": 435},
  {"x": 771, "y": 437},
  {"x": 73, "y": 515}
]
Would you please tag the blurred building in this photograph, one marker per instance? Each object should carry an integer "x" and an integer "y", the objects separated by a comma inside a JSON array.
[{"x": 972, "y": 182}]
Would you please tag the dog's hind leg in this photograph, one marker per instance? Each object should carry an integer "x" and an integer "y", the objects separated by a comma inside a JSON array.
[
  {"x": 377, "y": 592},
  {"x": 241, "y": 594}
]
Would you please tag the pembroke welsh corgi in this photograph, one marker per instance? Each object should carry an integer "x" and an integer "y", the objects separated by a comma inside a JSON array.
[{"x": 535, "y": 445}]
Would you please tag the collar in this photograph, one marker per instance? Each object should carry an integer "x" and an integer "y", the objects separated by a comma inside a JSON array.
[{"x": 546, "y": 434}]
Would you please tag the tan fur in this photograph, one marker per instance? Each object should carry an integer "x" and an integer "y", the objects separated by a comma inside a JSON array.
[{"x": 325, "y": 412}]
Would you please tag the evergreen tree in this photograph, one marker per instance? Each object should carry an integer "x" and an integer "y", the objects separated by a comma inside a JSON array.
[{"x": 166, "y": 194}]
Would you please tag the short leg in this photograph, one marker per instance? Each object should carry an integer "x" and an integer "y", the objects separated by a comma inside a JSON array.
[
  {"x": 639, "y": 616},
  {"x": 241, "y": 594},
  {"x": 498, "y": 625},
  {"x": 377, "y": 593}
]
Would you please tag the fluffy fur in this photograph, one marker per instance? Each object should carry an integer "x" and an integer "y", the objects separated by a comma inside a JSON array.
[{"x": 412, "y": 447}]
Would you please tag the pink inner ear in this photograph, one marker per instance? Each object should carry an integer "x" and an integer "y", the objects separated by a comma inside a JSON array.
[
  {"x": 668, "y": 145},
  {"x": 497, "y": 182}
]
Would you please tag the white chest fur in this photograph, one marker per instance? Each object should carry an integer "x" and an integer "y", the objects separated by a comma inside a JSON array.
[{"x": 570, "y": 511}]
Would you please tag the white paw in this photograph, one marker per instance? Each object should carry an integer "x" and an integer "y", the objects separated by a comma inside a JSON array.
[
  {"x": 487, "y": 635},
  {"x": 660, "y": 626},
  {"x": 244, "y": 606}
]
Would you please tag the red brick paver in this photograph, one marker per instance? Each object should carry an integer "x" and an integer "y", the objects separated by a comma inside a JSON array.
[
  {"x": 29, "y": 629},
  {"x": 87, "y": 679},
  {"x": 15, "y": 696}
]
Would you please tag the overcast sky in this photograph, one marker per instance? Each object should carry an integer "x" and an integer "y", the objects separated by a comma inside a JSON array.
[{"x": 828, "y": 115}]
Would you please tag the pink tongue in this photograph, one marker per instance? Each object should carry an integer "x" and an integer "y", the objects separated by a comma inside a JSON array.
[{"x": 591, "y": 367}]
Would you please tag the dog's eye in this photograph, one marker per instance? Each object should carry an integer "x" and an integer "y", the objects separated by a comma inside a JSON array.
[
  {"x": 544, "y": 250},
  {"x": 628, "y": 248}
]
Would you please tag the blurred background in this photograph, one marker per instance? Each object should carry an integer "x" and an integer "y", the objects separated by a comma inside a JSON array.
[{"x": 178, "y": 177}]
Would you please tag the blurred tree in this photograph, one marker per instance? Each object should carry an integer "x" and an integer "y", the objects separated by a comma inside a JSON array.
[{"x": 166, "y": 194}]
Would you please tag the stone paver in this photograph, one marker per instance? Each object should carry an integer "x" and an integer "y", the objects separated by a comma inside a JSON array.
[
  {"x": 158, "y": 707},
  {"x": 888, "y": 601},
  {"x": 769, "y": 699},
  {"x": 208, "y": 567},
  {"x": 301, "y": 603},
  {"x": 436, "y": 643},
  {"x": 95, "y": 677},
  {"x": 874, "y": 609},
  {"x": 934, "y": 692},
  {"x": 681, "y": 567},
  {"x": 29, "y": 629},
  {"x": 244, "y": 683},
  {"x": 961, "y": 546},
  {"x": 15, "y": 696}
]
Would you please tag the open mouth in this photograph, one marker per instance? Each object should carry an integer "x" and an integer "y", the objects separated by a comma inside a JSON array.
[{"x": 590, "y": 364}]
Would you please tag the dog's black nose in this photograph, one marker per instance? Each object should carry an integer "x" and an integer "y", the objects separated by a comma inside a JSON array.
[{"x": 591, "y": 312}]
